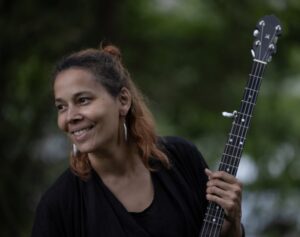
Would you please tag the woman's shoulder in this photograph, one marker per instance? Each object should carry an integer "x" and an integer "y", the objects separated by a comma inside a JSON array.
[
  {"x": 180, "y": 146},
  {"x": 56, "y": 206},
  {"x": 186, "y": 161},
  {"x": 61, "y": 189},
  {"x": 175, "y": 141},
  {"x": 182, "y": 151}
]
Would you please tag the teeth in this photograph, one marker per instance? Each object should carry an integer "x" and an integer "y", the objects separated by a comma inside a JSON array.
[{"x": 81, "y": 131}]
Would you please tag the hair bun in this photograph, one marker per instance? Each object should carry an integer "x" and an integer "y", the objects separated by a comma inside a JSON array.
[{"x": 113, "y": 50}]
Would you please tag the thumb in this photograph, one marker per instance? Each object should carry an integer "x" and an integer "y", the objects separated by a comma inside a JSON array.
[{"x": 208, "y": 172}]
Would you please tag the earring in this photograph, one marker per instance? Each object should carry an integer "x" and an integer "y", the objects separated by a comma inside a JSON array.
[
  {"x": 125, "y": 131},
  {"x": 75, "y": 150}
]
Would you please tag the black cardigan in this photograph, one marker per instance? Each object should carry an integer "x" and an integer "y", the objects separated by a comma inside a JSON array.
[{"x": 76, "y": 208}]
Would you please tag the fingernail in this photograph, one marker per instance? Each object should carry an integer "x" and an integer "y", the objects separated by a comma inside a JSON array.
[{"x": 207, "y": 171}]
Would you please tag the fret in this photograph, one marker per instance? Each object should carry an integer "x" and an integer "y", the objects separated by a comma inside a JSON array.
[
  {"x": 226, "y": 164},
  {"x": 239, "y": 128},
  {"x": 235, "y": 139},
  {"x": 250, "y": 89},
  {"x": 214, "y": 205},
  {"x": 230, "y": 156},
  {"x": 240, "y": 132},
  {"x": 213, "y": 222},
  {"x": 216, "y": 219},
  {"x": 259, "y": 61},
  {"x": 236, "y": 136},
  {"x": 250, "y": 95},
  {"x": 247, "y": 102},
  {"x": 226, "y": 158},
  {"x": 239, "y": 125},
  {"x": 213, "y": 208},
  {"x": 255, "y": 76},
  {"x": 249, "y": 116},
  {"x": 235, "y": 143},
  {"x": 210, "y": 230},
  {"x": 230, "y": 153},
  {"x": 254, "y": 83},
  {"x": 246, "y": 108},
  {"x": 233, "y": 146},
  {"x": 230, "y": 160},
  {"x": 231, "y": 169},
  {"x": 229, "y": 148},
  {"x": 213, "y": 217},
  {"x": 232, "y": 150},
  {"x": 258, "y": 68},
  {"x": 241, "y": 119}
]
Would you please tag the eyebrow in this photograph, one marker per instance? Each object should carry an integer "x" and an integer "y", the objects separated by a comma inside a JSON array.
[{"x": 75, "y": 95}]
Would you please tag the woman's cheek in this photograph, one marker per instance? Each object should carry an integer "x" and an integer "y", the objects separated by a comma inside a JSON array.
[{"x": 61, "y": 123}]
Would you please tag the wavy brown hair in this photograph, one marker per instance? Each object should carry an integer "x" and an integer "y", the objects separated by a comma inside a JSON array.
[{"x": 107, "y": 67}]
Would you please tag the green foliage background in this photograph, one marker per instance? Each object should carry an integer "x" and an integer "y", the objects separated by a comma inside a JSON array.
[{"x": 190, "y": 58}]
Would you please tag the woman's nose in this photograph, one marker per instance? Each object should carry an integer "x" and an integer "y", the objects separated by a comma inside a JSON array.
[{"x": 73, "y": 115}]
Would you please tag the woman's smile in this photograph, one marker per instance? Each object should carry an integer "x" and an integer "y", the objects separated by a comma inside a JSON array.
[{"x": 81, "y": 134}]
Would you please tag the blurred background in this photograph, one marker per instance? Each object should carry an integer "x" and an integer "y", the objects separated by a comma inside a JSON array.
[{"x": 191, "y": 58}]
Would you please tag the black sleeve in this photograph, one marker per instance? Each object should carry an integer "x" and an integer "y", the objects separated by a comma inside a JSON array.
[
  {"x": 57, "y": 213},
  {"x": 47, "y": 221}
]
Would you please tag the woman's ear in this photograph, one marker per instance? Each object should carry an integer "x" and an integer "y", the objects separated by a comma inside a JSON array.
[{"x": 124, "y": 98}]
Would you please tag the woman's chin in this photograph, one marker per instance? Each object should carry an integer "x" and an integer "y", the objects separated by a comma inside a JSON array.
[{"x": 85, "y": 149}]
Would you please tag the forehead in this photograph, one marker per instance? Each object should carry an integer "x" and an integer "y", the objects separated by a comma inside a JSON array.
[{"x": 74, "y": 80}]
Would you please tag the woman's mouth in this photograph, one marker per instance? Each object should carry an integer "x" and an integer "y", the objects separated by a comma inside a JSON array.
[{"x": 80, "y": 134}]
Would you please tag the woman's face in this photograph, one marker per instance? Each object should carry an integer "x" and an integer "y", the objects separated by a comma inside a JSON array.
[{"x": 88, "y": 114}]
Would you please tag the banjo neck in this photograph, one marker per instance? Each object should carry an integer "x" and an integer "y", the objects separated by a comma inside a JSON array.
[{"x": 266, "y": 34}]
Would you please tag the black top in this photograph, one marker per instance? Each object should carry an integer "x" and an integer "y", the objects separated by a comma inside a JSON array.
[
  {"x": 161, "y": 218},
  {"x": 76, "y": 208}
]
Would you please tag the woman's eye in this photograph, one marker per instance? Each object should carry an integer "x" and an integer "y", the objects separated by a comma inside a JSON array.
[
  {"x": 83, "y": 100},
  {"x": 60, "y": 107}
]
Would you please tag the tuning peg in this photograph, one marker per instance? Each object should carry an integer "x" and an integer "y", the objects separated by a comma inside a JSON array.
[
  {"x": 269, "y": 59},
  {"x": 271, "y": 46},
  {"x": 262, "y": 23},
  {"x": 278, "y": 28},
  {"x": 275, "y": 39},
  {"x": 252, "y": 53},
  {"x": 257, "y": 42},
  {"x": 255, "y": 33},
  {"x": 229, "y": 115}
]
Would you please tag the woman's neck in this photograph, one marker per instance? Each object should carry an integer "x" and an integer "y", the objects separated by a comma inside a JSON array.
[{"x": 120, "y": 161}]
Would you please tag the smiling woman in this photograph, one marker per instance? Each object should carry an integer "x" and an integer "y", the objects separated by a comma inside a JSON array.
[
  {"x": 93, "y": 89},
  {"x": 122, "y": 175},
  {"x": 88, "y": 114}
]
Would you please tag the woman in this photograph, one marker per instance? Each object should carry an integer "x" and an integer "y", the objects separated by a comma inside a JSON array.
[{"x": 123, "y": 179}]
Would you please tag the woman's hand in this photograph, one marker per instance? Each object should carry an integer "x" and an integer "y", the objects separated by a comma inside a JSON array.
[{"x": 226, "y": 190}]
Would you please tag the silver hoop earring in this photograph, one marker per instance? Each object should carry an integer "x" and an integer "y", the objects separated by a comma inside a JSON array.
[
  {"x": 125, "y": 131},
  {"x": 75, "y": 150}
]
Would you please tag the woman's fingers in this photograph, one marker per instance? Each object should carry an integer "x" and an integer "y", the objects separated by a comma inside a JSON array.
[
  {"x": 225, "y": 190},
  {"x": 228, "y": 178}
]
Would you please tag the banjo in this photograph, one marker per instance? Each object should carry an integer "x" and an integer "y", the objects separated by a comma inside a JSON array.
[{"x": 264, "y": 46}]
